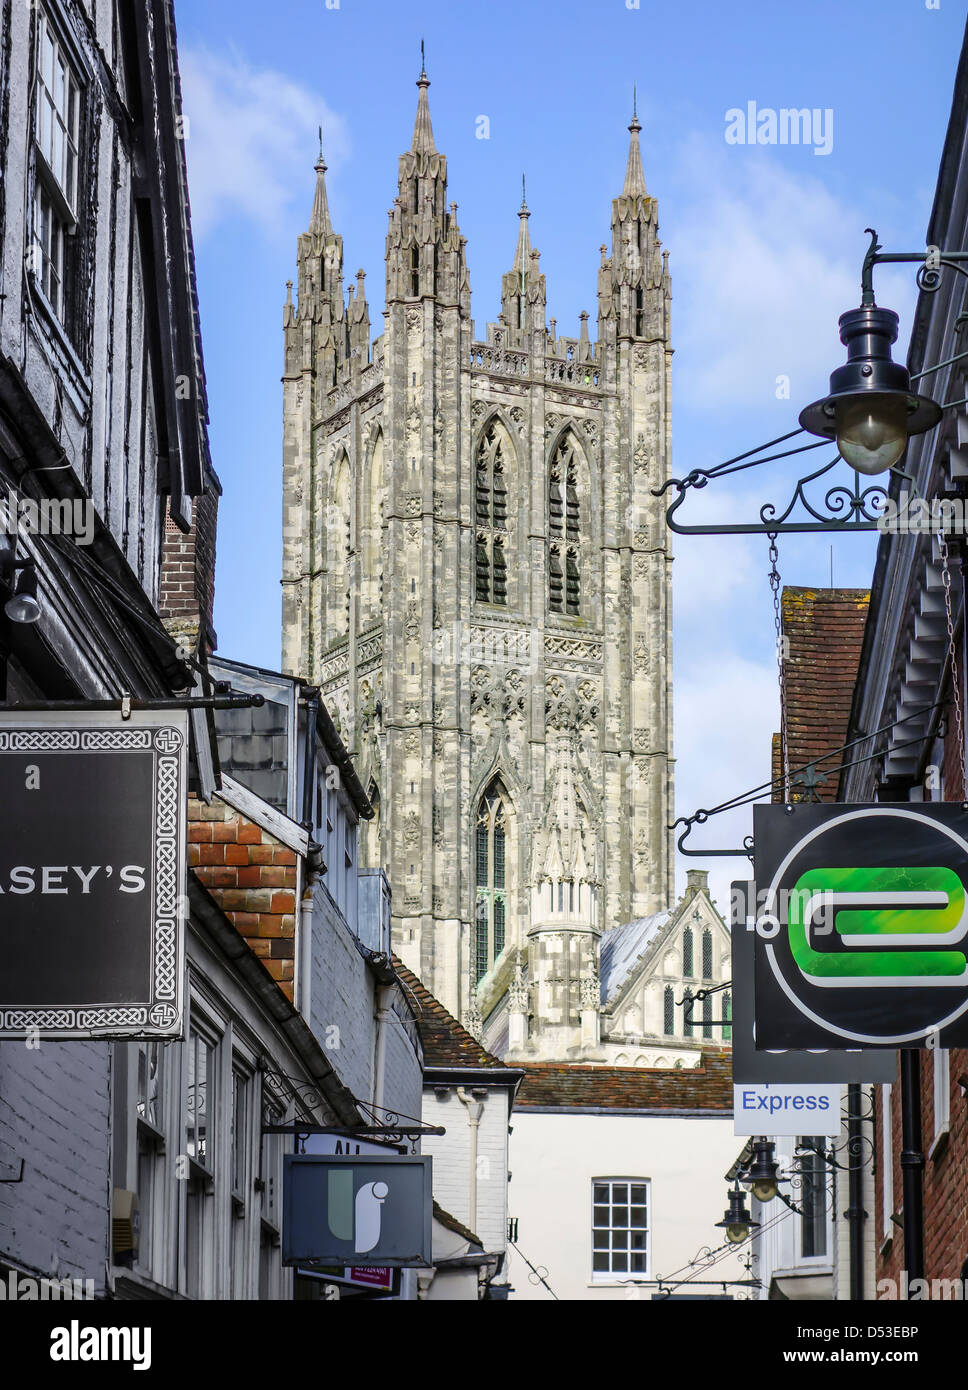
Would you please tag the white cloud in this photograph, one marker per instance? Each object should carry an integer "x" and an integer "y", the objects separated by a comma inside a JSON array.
[
  {"x": 252, "y": 139},
  {"x": 726, "y": 711},
  {"x": 766, "y": 260}
]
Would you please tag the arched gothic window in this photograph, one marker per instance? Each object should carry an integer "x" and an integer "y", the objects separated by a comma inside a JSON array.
[
  {"x": 415, "y": 262},
  {"x": 707, "y": 954},
  {"x": 491, "y": 519},
  {"x": 687, "y": 961},
  {"x": 373, "y": 539},
  {"x": 564, "y": 530},
  {"x": 639, "y": 315},
  {"x": 668, "y": 1011},
  {"x": 707, "y": 1017},
  {"x": 340, "y": 543},
  {"x": 686, "y": 1014},
  {"x": 727, "y": 1014},
  {"x": 490, "y": 864}
]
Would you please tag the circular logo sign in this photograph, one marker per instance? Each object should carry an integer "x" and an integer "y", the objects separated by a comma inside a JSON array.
[{"x": 864, "y": 926}]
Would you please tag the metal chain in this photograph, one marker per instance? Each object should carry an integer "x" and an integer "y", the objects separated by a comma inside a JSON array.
[
  {"x": 953, "y": 651},
  {"x": 775, "y": 582}
]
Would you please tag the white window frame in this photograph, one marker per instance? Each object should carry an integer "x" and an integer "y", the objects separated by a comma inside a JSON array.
[
  {"x": 613, "y": 1276},
  {"x": 887, "y": 1160},
  {"x": 942, "y": 1097},
  {"x": 153, "y": 1159},
  {"x": 822, "y": 1172},
  {"x": 53, "y": 216},
  {"x": 206, "y": 1183}
]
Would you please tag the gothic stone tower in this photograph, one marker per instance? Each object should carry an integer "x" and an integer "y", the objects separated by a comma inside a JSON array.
[{"x": 477, "y": 575}]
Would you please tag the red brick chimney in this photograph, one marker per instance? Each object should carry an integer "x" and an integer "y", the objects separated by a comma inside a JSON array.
[{"x": 187, "y": 591}]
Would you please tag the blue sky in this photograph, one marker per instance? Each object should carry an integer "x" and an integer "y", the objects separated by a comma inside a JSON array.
[{"x": 765, "y": 248}]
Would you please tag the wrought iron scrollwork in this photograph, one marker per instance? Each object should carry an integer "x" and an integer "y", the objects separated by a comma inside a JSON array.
[{"x": 280, "y": 1092}]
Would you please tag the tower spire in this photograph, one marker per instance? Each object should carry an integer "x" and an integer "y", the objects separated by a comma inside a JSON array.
[
  {"x": 522, "y": 256},
  {"x": 423, "y": 133},
  {"x": 319, "y": 223},
  {"x": 634, "y": 186}
]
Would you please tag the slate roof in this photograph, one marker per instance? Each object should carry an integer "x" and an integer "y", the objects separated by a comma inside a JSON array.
[
  {"x": 825, "y": 630},
  {"x": 623, "y": 947},
  {"x": 576, "y": 1086},
  {"x": 446, "y": 1043},
  {"x": 452, "y": 1224}
]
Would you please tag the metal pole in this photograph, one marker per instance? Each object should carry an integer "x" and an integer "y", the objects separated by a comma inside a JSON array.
[
  {"x": 856, "y": 1215},
  {"x": 912, "y": 1164}
]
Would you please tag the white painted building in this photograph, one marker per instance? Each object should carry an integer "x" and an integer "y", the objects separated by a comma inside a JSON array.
[
  {"x": 469, "y": 1093},
  {"x": 616, "y": 1180}
]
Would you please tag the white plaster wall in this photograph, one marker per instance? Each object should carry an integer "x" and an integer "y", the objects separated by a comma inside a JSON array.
[
  {"x": 555, "y": 1157},
  {"x": 451, "y": 1153}
]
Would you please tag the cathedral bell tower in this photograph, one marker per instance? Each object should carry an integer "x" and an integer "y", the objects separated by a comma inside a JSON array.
[{"x": 477, "y": 576}]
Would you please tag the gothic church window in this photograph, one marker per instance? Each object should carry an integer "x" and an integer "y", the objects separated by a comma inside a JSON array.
[
  {"x": 727, "y": 1014},
  {"x": 707, "y": 955},
  {"x": 490, "y": 864},
  {"x": 340, "y": 543},
  {"x": 687, "y": 960},
  {"x": 687, "y": 1014},
  {"x": 668, "y": 1011},
  {"x": 491, "y": 519},
  {"x": 564, "y": 529}
]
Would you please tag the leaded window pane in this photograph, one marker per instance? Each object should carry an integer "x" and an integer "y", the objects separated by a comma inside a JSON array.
[
  {"x": 491, "y": 508},
  {"x": 707, "y": 955},
  {"x": 482, "y": 837}
]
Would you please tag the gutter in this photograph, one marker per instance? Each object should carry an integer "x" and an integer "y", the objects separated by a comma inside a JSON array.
[{"x": 511, "y": 1077}]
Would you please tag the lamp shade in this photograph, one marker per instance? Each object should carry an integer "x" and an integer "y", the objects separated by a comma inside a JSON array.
[
  {"x": 871, "y": 410},
  {"x": 22, "y": 605}
]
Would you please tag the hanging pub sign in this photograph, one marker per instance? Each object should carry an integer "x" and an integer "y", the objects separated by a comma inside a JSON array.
[
  {"x": 820, "y": 1066},
  {"x": 861, "y": 923},
  {"x": 356, "y": 1209},
  {"x": 92, "y": 873}
]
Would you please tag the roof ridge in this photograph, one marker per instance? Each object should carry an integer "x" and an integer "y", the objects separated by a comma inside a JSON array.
[{"x": 457, "y": 1047}]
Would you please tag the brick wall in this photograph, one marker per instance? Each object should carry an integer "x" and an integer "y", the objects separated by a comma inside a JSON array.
[
  {"x": 946, "y": 1170},
  {"x": 945, "y": 1178},
  {"x": 55, "y": 1114},
  {"x": 252, "y": 877},
  {"x": 187, "y": 592},
  {"x": 451, "y": 1153}
]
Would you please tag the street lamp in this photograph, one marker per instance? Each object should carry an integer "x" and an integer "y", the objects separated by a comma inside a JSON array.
[
  {"x": 763, "y": 1172},
  {"x": 737, "y": 1222},
  {"x": 22, "y": 605},
  {"x": 871, "y": 410}
]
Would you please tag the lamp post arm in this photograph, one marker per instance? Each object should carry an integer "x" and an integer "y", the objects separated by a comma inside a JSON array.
[{"x": 929, "y": 277}]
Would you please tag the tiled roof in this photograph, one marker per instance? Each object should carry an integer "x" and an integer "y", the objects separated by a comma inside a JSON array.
[
  {"x": 583, "y": 1087},
  {"x": 825, "y": 631},
  {"x": 446, "y": 1043},
  {"x": 452, "y": 1224},
  {"x": 623, "y": 947}
]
